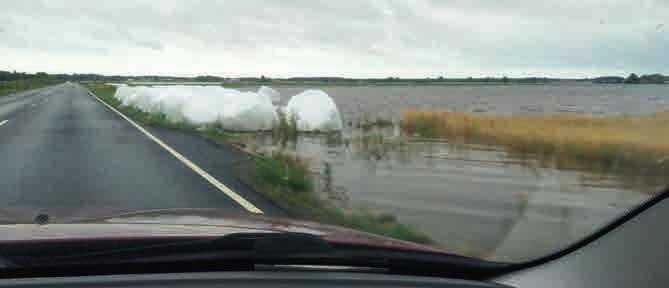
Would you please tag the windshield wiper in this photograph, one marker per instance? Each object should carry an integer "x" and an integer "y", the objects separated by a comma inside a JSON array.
[
  {"x": 238, "y": 245},
  {"x": 243, "y": 251}
]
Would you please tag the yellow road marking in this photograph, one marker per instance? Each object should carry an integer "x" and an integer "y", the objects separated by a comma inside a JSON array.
[{"x": 213, "y": 181}]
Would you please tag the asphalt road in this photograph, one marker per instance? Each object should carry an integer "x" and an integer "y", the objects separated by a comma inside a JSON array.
[{"x": 62, "y": 150}]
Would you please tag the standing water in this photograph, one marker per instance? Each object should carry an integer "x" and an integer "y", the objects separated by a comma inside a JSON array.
[{"x": 472, "y": 200}]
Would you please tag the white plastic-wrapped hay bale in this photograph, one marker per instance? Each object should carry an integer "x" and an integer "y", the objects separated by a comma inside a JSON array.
[
  {"x": 123, "y": 92},
  {"x": 134, "y": 97},
  {"x": 205, "y": 105},
  {"x": 144, "y": 97},
  {"x": 154, "y": 104},
  {"x": 314, "y": 110},
  {"x": 202, "y": 105},
  {"x": 247, "y": 111},
  {"x": 273, "y": 95}
]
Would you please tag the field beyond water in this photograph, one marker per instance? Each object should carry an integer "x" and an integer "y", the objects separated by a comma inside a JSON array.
[
  {"x": 608, "y": 143},
  {"x": 15, "y": 86}
]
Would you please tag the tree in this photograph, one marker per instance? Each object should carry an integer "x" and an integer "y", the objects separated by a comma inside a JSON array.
[
  {"x": 652, "y": 79},
  {"x": 632, "y": 79}
]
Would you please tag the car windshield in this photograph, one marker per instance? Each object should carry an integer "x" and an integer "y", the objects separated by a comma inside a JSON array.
[{"x": 496, "y": 130}]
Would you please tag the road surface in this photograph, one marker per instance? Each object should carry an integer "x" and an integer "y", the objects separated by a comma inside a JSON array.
[{"x": 65, "y": 152}]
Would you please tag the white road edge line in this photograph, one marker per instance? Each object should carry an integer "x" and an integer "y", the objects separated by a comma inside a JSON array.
[
  {"x": 3, "y": 122},
  {"x": 213, "y": 181}
]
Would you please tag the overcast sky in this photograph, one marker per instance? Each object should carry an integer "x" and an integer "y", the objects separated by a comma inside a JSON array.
[{"x": 375, "y": 38}]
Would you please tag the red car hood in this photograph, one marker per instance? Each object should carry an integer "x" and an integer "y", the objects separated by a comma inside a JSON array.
[{"x": 179, "y": 223}]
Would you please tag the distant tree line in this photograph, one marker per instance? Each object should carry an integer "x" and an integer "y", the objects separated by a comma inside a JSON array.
[
  {"x": 633, "y": 78},
  {"x": 422, "y": 80},
  {"x": 208, "y": 78},
  {"x": 11, "y": 76}
]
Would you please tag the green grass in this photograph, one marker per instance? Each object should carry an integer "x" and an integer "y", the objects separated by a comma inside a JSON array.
[
  {"x": 285, "y": 179},
  {"x": 281, "y": 169},
  {"x": 11, "y": 87}
]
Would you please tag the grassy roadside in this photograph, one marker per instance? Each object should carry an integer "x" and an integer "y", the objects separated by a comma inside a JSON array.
[
  {"x": 11, "y": 87},
  {"x": 286, "y": 180},
  {"x": 639, "y": 143},
  {"x": 106, "y": 93}
]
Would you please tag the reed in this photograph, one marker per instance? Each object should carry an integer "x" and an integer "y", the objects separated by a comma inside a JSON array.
[{"x": 615, "y": 141}]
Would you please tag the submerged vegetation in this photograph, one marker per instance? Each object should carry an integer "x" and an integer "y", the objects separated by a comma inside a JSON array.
[
  {"x": 368, "y": 124},
  {"x": 287, "y": 127},
  {"x": 377, "y": 146},
  {"x": 618, "y": 142},
  {"x": 286, "y": 180}
]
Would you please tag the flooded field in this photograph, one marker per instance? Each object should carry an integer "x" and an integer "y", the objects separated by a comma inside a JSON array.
[
  {"x": 472, "y": 200},
  {"x": 360, "y": 103}
]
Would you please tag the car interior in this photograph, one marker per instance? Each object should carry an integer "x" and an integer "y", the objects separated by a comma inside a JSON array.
[{"x": 628, "y": 252}]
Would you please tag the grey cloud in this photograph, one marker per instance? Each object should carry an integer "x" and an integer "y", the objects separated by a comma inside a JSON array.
[{"x": 350, "y": 38}]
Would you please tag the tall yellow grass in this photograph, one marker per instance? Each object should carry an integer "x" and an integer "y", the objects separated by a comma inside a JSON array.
[{"x": 621, "y": 141}]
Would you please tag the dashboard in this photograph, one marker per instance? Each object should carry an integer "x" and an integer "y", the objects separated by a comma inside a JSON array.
[{"x": 248, "y": 279}]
